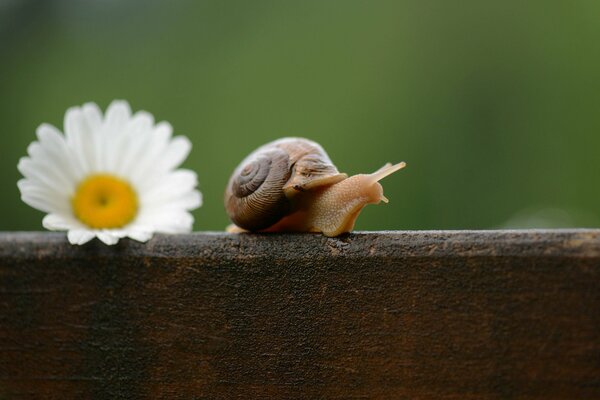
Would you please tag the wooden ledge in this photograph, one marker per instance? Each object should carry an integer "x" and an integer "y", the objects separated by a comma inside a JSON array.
[
  {"x": 401, "y": 244},
  {"x": 426, "y": 314}
]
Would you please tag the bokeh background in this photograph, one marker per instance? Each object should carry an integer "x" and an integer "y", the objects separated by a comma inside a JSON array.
[{"x": 495, "y": 106}]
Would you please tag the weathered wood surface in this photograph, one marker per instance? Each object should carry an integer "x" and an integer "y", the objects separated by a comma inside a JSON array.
[{"x": 443, "y": 315}]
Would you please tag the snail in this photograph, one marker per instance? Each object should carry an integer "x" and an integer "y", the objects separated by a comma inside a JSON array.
[{"x": 291, "y": 185}]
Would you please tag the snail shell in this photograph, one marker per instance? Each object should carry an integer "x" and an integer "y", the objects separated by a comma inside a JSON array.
[
  {"x": 257, "y": 193},
  {"x": 292, "y": 185}
]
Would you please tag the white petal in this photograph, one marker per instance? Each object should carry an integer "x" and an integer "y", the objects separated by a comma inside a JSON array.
[
  {"x": 39, "y": 203},
  {"x": 145, "y": 174},
  {"x": 189, "y": 201},
  {"x": 92, "y": 122},
  {"x": 93, "y": 115},
  {"x": 178, "y": 150},
  {"x": 43, "y": 172},
  {"x": 80, "y": 236},
  {"x": 168, "y": 222},
  {"x": 119, "y": 233},
  {"x": 80, "y": 139},
  {"x": 132, "y": 144},
  {"x": 186, "y": 203},
  {"x": 118, "y": 114},
  {"x": 172, "y": 186},
  {"x": 163, "y": 130},
  {"x": 56, "y": 222},
  {"x": 55, "y": 149},
  {"x": 107, "y": 237},
  {"x": 140, "y": 235},
  {"x": 42, "y": 198}
]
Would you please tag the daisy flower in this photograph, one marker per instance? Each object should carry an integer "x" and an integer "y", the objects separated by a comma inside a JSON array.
[{"x": 110, "y": 176}]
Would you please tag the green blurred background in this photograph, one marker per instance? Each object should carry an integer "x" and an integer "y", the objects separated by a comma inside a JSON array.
[{"x": 495, "y": 106}]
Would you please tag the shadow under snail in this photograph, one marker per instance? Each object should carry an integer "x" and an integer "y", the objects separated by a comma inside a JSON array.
[{"x": 291, "y": 185}]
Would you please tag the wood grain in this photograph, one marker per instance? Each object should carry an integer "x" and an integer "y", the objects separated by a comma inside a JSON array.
[{"x": 382, "y": 315}]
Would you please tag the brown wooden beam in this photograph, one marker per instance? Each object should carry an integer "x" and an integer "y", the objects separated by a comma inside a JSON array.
[{"x": 381, "y": 315}]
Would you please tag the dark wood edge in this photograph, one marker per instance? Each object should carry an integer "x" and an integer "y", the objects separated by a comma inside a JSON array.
[{"x": 583, "y": 243}]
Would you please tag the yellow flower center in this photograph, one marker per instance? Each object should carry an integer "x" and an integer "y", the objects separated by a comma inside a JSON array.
[{"x": 104, "y": 201}]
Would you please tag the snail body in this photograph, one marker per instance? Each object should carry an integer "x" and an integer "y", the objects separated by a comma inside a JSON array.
[{"x": 292, "y": 185}]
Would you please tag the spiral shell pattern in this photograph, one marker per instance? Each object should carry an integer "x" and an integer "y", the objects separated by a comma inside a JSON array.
[{"x": 254, "y": 198}]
